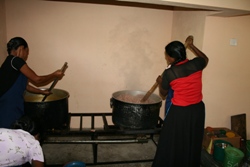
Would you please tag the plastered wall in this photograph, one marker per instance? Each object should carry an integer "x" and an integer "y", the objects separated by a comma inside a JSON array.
[
  {"x": 226, "y": 79},
  {"x": 112, "y": 48},
  {"x": 3, "y": 39},
  {"x": 108, "y": 48}
]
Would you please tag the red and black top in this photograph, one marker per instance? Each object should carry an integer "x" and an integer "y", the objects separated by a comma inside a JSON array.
[{"x": 185, "y": 78}]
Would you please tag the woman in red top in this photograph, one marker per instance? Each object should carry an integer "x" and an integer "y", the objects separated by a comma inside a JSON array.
[{"x": 180, "y": 140}]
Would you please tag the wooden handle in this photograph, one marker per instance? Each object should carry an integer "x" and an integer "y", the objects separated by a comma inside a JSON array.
[
  {"x": 63, "y": 69},
  {"x": 149, "y": 92}
]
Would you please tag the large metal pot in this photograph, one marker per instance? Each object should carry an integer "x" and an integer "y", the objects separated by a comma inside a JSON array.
[
  {"x": 135, "y": 116},
  {"x": 50, "y": 114}
]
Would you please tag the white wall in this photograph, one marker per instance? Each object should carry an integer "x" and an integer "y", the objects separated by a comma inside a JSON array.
[
  {"x": 226, "y": 79},
  {"x": 111, "y": 48},
  {"x": 108, "y": 48},
  {"x": 3, "y": 49}
]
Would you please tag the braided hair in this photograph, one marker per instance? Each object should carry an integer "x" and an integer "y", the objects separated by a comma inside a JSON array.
[
  {"x": 27, "y": 124},
  {"x": 14, "y": 43},
  {"x": 176, "y": 50}
]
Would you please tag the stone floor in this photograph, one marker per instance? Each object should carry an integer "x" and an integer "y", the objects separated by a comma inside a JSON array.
[{"x": 108, "y": 155}]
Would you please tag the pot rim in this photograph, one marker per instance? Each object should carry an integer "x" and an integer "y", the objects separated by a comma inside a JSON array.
[
  {"x": 153, "y": 96},
  {"x": 63, "y": 93}
]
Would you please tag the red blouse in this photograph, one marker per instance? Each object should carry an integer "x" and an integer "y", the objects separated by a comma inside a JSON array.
[{"x": 185, "y": 79}]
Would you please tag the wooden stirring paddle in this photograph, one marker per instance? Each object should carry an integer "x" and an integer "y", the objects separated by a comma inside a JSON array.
[{"x": 63, "y": 69}]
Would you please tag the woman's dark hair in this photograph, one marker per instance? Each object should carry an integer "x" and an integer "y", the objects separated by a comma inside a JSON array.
[
  {"x": 27, "y": 124},
  {"x": 176, "y": 50},
  {"x": 14, "y": 43}
]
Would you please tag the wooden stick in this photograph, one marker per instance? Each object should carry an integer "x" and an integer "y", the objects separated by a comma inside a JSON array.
[
  {"x": 63, "y": 69},
  {"x": 151, "y": 90}
]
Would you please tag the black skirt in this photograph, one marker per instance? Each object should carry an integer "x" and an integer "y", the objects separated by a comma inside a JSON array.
[{"x": 180, "y": 141}]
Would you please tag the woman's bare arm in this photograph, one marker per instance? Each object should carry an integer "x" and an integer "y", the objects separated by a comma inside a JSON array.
[
  {"x": 40, "y": 80},
  {"x": 163, "y": 92},
  {"x": 37, "y": 163},
  {"x": 190, "y": 44},
  {"x": 32, "y": 89}
]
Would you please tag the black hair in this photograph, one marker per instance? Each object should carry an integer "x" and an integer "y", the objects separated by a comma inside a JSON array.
[
  {"x": 176, "y": 50},
  {"x": 14, "y": 43},
  {"x": 25, "y": 123}
]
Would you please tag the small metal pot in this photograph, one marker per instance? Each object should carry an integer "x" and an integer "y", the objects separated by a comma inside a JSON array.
[
  {"x": 50, "y": 114},
  {"x": 135, "y": 116}
]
